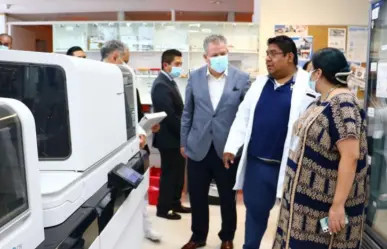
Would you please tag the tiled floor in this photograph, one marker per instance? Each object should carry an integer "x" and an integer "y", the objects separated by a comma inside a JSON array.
[{"x": 176, "y": 233}]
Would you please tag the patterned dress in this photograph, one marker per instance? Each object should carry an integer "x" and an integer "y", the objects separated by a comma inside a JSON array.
[{"x": 311, "y": 177}]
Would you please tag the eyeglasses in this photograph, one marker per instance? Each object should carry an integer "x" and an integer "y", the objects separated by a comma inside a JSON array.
[{"x": 272, "y": 54}]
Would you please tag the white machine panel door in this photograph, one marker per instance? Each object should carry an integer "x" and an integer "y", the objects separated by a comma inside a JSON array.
[{"x": 21, "y": 216}]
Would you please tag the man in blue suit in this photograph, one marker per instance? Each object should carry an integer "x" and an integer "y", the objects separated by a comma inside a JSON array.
[{"x": 213, "y": 95}]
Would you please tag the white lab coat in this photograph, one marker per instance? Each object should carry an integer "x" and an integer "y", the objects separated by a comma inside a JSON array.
[{"x": 242, "y": 126}]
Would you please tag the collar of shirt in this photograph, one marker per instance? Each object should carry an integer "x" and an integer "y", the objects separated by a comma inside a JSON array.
[
  {"x": 292, "y": 81},
  {"x": 223, "y": 75},
  {"x": 167, "y": 74}
]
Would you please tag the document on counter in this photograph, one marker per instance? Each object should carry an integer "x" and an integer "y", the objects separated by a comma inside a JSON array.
[{"x": 151, "y": 119}]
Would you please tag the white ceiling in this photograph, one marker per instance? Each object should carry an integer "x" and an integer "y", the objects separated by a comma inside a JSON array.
[{"x": 73, "y": 6}]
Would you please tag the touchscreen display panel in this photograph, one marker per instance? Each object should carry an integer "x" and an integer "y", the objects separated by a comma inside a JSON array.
[{"x": 128, "y": 174}]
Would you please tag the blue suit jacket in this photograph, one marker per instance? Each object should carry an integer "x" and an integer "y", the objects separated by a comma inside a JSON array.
[{"x": 201, "y": 125}]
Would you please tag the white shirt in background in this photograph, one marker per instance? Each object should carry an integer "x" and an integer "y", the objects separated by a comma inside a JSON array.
[
  {"x": 167, "y": 74},
  {"x": 216, "y": 87}
]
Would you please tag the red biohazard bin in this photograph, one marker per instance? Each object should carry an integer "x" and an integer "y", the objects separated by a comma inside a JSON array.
[
  {"x": 155, "y": 171},
  {"x": 154, "y": 181},
  {"x": 154, "y": 184},
  {"x": 153, "y": 195}
]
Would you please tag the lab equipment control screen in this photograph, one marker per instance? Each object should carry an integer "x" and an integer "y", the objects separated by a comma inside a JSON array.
[{"x": 129, "y": 175}]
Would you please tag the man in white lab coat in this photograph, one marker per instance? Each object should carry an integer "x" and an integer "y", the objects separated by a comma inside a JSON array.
[
  {"x": 116, "y": 52},
  {"x": 263, "y": 124}
]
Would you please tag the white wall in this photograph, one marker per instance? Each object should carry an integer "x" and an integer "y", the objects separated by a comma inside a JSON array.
[
  {"x": 3, "y": 24},
  {"x": 69, "y": 6},
  {"x": 307, "y": 12},
  {"x": 23, "y": 39}
]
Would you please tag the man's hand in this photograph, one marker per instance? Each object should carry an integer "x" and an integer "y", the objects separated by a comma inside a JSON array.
[
  {"x": 156, "y": 128},
  {"x": 142, "y": 141},
  {"x": 182, "y": 152},
  {"x": 227, "y": 159}
]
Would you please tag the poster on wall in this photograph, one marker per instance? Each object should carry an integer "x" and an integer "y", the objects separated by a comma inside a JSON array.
[
  {"x": 304, "y": 47},
  {"x": 291, "y": 30},
  {"x": 337, "y": 38},
  {"x": 357, "y": 44}
]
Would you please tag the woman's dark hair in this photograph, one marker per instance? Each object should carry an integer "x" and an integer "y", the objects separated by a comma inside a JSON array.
[
  {"x": 286, "y": 44},
  {"x": 305, "y": 67},
  {"x": 331, "y": 61},
  {"x": 74, "y": 49}
]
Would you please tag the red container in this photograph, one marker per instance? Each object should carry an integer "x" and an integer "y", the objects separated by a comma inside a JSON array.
[
  {"x": 153, "y": 195},
  {"x": 154, "y": 181},
  {"x": 155, "y": 171}
]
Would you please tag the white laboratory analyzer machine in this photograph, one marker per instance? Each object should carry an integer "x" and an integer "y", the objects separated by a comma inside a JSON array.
[{"x": 71, "y": 171}]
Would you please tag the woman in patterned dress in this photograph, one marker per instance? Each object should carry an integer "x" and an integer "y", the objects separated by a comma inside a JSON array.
[{"x": 327, "y": 173}]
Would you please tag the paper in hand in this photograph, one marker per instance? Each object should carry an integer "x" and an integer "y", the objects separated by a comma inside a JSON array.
[{"x": 151, "y": 119}]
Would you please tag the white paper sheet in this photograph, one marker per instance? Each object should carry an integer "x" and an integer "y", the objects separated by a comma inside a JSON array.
[
  {"x": 337, "y": 38},
  {"x": 371, "y": 112},
  {"x": 374, "y": 66},
  {"x": 375, "y": 13},
  {"x": 381, "y": 82},
  {"x": 357, "y": 44}
]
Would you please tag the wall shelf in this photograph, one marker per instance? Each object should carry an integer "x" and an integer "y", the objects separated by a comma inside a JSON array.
[{"x": 147, "y": 40}]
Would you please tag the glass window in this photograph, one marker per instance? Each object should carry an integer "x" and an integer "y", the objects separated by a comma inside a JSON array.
[
  {"x": 13, "y": 184},
  {"x": 99, "y": 33},
  {"x": 377, "y": 128},
  {"x": 42, "y": 89},
  {"x": 129, "y": 102},
  {"x": 68, "y": 35}
]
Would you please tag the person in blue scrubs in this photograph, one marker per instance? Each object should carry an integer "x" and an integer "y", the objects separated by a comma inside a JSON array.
[{"x": 268, "y": 135}]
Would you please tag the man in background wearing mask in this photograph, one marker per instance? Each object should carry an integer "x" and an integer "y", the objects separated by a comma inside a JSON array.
[
  {"x": 213, "y": 95},
  {"x": 116, "y": 52},
  {"x": 166, "y": 98},
  {"x": 5, "y": 42}
]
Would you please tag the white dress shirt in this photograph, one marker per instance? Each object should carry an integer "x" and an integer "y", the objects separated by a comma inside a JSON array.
[
  {"x": 216, "y": 87},
  {"x": 167, "y": 74}
]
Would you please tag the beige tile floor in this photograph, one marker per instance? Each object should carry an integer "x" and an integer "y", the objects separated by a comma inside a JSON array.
[
  {"x": 176, "y": 233},
  {"x": 380, "y": 222}
]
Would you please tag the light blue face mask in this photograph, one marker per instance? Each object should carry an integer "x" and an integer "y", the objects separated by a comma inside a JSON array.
[
  {"x": 219, "y": 63},
  {"x": 312, "y": 83},
  {"x": 176, "y": 72},
  {"x": 2, "y": 47}
]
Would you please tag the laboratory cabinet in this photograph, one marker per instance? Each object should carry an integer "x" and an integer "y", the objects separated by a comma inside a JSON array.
[{"x": 375, "y": 236}]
